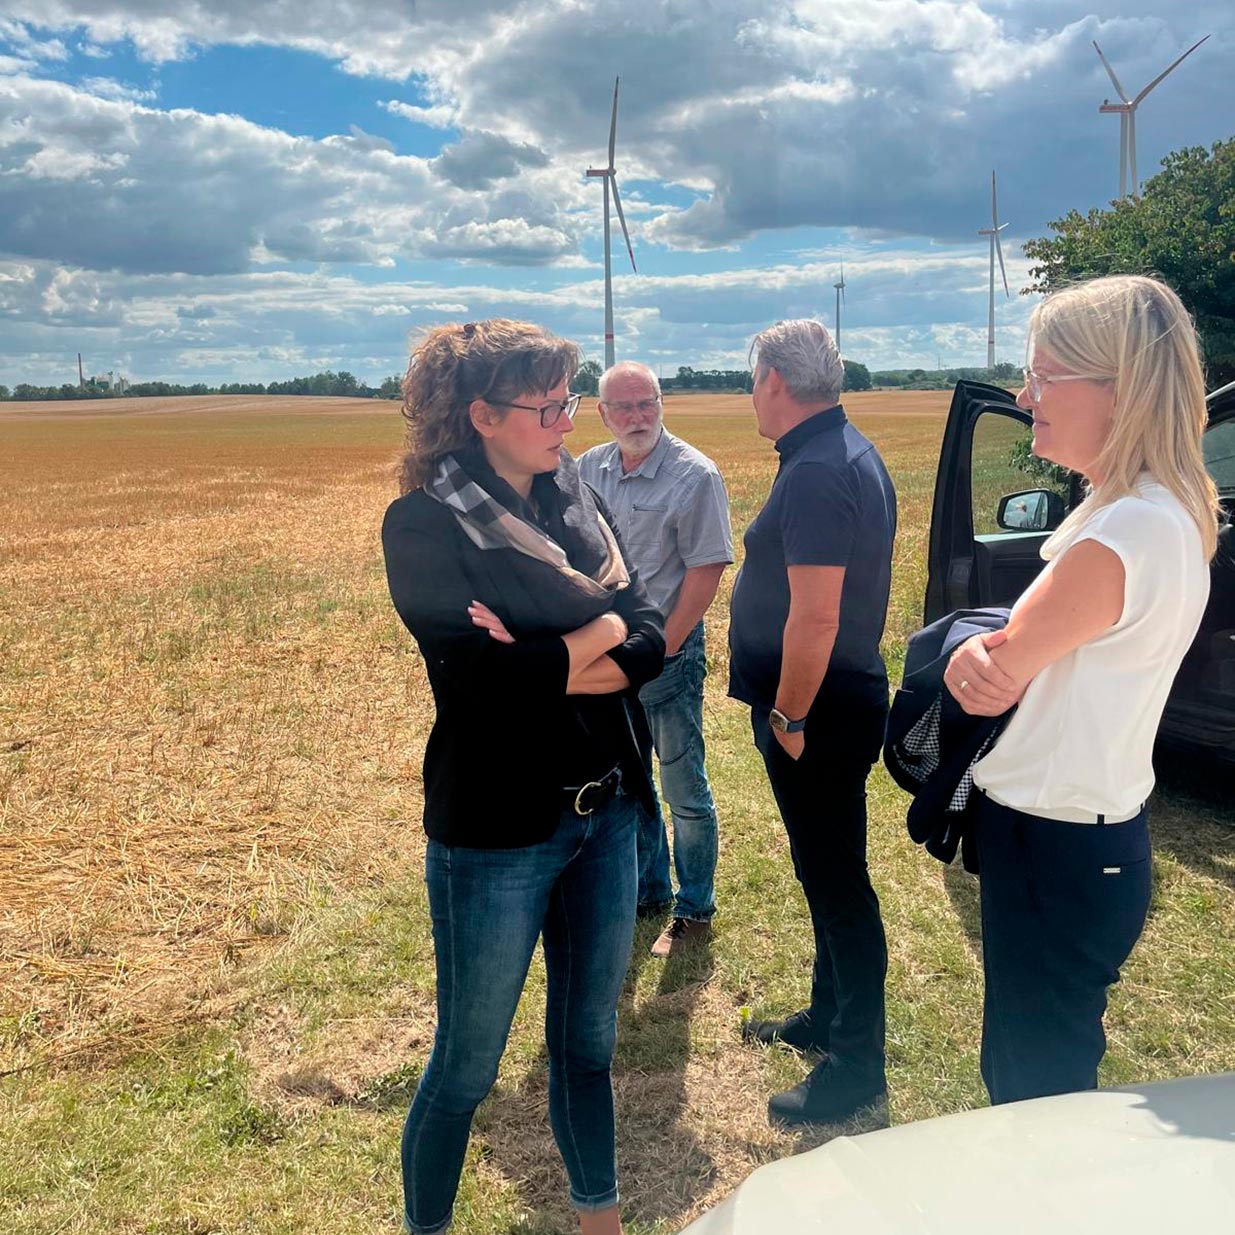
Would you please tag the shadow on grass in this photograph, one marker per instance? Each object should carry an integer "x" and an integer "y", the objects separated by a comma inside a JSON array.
[
  {"x": 965, "y": 894},
  {"x": 812, "y": 1136},
  {"x": 1192, "y": 814},
  {"x": 662, "y": 1168}
]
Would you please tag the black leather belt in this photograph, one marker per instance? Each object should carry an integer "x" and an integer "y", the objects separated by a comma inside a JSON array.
[{"x": 586, "y": 798}]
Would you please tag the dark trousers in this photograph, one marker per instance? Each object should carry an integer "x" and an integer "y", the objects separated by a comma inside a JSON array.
[
  {"x": 1063, "y": 904},
  {"x": 822, "y": 800}
]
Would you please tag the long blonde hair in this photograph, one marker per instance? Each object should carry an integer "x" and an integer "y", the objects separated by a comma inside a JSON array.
[
  {"x": 455, "y": 364},
  {"x": 1135, "y": 333}
]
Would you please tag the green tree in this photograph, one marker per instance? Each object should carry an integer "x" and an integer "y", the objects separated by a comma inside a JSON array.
[
  {"x": 391, "y": 388},
  {"x": 587, "y": 380},
  {"x": 4, "y": 392},
  {"x": 1021, "y": 456},
  {"x": 857, "y": 376},
  {"x": 1182, "y": 230}
]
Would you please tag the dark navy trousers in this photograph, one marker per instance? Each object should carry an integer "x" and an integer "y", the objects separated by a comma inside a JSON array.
[
  {"x": 1063, "y": 905},
  {"x": 822, "y": 800}
]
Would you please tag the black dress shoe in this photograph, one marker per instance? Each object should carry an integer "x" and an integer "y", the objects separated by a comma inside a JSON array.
[
  {"x": 797, "y": 1031},
  {"x": 826, "y": 1096}
]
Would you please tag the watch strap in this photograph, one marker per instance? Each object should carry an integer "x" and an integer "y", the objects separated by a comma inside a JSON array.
[{"x": 786, "y": 725}]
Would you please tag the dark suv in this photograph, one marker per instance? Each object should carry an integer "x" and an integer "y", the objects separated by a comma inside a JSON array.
[{"x": 995, "y": 503}]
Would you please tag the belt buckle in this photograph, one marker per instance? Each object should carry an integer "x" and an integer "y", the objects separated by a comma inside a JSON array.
[{"x": 592, "y": 784}]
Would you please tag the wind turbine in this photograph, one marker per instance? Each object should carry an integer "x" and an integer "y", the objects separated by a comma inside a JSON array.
[
  {"x": 840, "y": 297},
  {"x": 993, "y": 232},
  {"x": 1126, "y": 110},
  {"x": 609, "y": 175}
]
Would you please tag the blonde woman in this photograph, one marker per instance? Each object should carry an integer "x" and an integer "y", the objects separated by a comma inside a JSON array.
[{"x": 1089, "y": 654}]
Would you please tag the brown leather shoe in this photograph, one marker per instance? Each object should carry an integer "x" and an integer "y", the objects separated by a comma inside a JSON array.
[{"x": 681, "y": 934}]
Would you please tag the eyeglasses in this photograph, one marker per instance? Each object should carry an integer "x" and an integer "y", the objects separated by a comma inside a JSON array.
[
  {"x": 550, "y": 413},
  {"x": 625, "y": 409},
  {"x": 1035, "y": 382}
]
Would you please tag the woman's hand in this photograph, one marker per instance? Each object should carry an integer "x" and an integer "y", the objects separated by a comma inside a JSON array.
[
  {"x": 976, "y": 682},
  {"x": 592, "y": 670},
  {"x": 617, "y": 625},
  {"x": 485, "y": 618}
]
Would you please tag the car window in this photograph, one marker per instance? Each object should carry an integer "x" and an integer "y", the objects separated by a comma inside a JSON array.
[
  {"x": 1219, "y": 446},
  {"x": 1002, "y": 462}
]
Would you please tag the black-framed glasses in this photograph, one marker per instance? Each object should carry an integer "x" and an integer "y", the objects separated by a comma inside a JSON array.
[
  {"x": 550, "y": 413},
  {"x": 643, "y": 405},
  {"x": 1035, "y": 383}
]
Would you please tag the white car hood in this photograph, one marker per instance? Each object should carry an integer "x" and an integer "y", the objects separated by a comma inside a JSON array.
[{"x": 1151, "y": 1158}]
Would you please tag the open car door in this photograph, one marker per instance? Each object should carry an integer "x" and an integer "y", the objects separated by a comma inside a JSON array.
[
  {"x": 1200, "y": 714},
  {"x": 995, "y": 504}
]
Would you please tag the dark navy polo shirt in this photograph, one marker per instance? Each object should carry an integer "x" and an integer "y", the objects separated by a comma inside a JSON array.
[{"x": 831, "y": 504}]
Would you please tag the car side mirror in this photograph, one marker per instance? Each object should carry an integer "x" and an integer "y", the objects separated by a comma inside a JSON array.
[{"x": 1034, "y": 510}]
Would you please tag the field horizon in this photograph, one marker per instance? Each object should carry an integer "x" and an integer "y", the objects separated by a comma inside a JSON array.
[{"x": 930, "y": 402}]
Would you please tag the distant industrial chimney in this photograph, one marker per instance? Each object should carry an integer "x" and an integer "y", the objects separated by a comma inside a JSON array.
[{"x": 81, "y": 377}]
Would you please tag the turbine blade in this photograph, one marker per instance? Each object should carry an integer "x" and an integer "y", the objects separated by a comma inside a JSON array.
[
  {"x": 1172, "y": 68},
  {"x": 1002, "y": 271},
  {"x": 994, "y": 207},
  {"x": 613, "y": 122},
  {"x": 1119, "y": 90},
  {"x": 617, "y": 201}
]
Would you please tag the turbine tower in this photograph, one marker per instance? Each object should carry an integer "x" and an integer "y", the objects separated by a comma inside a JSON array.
[
  {"x": 1125, "y": 109},
  {"x": 609, "y": 175},
  {"x": 840, "y": 298},
  {"x": 993, "y": 232}
]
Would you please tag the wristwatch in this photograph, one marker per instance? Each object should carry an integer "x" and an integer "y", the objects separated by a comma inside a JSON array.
[{"x": 782, "y": 724}]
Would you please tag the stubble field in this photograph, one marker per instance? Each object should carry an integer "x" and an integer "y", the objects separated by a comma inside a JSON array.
[{"x": 215, "y": 961}]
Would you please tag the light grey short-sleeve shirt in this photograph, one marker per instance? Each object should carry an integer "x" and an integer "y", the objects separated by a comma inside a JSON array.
[{"x": 672, "y": 512}]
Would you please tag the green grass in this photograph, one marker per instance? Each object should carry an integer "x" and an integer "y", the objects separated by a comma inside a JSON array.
[{"x": 277, "y": 740}]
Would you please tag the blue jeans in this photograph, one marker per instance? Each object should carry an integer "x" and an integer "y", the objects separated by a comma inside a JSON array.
[
  {"x": 673, "y": 704},
  {"x": 489, "y": 906}
]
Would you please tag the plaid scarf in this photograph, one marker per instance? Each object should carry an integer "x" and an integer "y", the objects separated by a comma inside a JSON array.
[{"x": 562, "y": 597}]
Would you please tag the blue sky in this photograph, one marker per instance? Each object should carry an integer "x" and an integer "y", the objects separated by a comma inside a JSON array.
[{"x": 230, "y": 189}]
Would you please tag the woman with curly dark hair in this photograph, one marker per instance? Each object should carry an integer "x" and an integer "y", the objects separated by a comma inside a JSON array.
[{"x": 535, "y": 634}]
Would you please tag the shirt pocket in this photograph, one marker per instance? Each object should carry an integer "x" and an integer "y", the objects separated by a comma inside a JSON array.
[{"x": 648, "y": 525}]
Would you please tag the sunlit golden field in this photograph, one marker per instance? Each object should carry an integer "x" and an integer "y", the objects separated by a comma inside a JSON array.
[
  {"x": 214, "y": 951},
  {"x": 209, "y": 707}
]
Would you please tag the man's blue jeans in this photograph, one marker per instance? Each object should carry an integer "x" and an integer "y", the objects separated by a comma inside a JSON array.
[
  {"x": 489, "y": 906},
  {"x": 673, "y": 704}
]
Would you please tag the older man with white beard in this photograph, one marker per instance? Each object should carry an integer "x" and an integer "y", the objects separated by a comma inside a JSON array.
[{"x": 672, "y": 511}]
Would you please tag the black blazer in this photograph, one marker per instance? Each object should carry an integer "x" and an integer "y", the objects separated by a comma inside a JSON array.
[
  {"x": 960, "y": 738},
  {"x": 490, "y": 777}
]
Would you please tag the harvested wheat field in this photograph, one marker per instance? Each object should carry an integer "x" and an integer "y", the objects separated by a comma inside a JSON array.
[{"x": 215, "y": 958}]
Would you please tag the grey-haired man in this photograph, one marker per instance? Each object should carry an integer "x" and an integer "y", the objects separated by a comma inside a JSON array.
[{"x": 805, "y": 620}]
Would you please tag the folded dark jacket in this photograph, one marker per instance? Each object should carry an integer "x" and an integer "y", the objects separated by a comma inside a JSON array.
[{"x": 931, "y": 744}]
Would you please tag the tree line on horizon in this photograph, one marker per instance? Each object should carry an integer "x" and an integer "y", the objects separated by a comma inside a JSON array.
[
  {"x": 344, "y": 385},
  {"x": 341, "y": 385}
]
